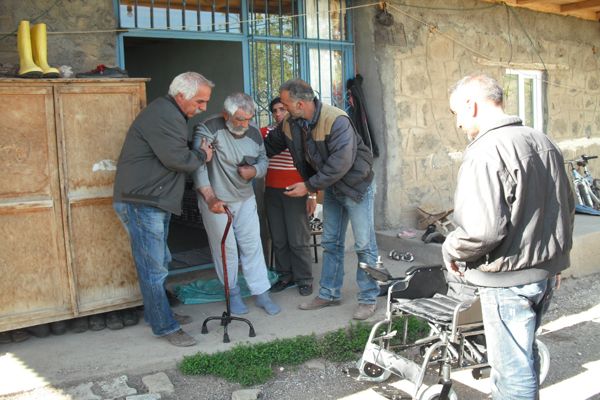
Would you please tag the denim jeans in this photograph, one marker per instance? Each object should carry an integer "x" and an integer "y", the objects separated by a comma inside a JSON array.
[
  {"x": 148, "y": 228},
  {"x": 338, "y": 210},
  {"x": 511, "y": 316}
]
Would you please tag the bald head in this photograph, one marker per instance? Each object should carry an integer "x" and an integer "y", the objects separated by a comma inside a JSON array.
[{"x": 474, "y": 100}]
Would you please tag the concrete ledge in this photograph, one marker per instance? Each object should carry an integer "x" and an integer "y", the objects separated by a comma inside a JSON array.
[{"x": 585, "y": 256}]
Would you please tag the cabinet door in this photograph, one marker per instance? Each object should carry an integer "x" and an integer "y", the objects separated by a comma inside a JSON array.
[
  {"x": 92, "y": 121},
  {"x": 35, "y": 281}
]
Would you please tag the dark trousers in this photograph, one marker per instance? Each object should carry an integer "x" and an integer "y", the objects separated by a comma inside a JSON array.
[{"x": 290, "y": 235}]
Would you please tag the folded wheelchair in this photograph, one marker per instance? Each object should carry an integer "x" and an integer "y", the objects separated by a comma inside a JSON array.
[{"x": 451, "y": 311}]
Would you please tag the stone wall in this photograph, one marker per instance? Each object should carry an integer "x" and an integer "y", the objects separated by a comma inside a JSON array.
[
  {"x": 410, "y": 64},
  {"x": 73, "y": 31}
]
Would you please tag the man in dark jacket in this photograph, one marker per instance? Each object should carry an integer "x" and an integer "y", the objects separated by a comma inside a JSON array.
[
  {"x": 149, "y": 187},
  {"x": 331, "y": 156},
  {"x": 514, "y": 211}
]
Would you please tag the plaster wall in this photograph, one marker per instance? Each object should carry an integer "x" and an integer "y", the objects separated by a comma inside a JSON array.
[
  {"x": 409, "y": 65},
  {"x": 80, "y": 33}
]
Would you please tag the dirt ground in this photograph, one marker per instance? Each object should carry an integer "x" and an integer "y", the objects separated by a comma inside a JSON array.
[{"x": 570, "y": 331}]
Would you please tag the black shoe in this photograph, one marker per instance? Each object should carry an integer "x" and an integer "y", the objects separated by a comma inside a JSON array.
[
  {"x": 40, "y": 331},
  {"x": 114, "y": 320},
  {"x": 19, "y": 335},
  {"x": 58, "y": 327},
  {"x": 281, "y": 285},
  {"x": 130, "y": 317},
  {"x": 79, "y": 325},
  {"x": 305, "y": 290},
  {"x": 97, "y": 322}
]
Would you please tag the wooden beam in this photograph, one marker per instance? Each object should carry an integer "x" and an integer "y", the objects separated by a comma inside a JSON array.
[
  {"x": 598, "y": 15},
  {"x": 522, "y": 2},
  {"x": 579, "y": 5}
]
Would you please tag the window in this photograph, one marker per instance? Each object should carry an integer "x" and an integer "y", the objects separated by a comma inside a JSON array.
[
  {"x": 523, "y": 96},
  {"x": 181, "y": 15}
]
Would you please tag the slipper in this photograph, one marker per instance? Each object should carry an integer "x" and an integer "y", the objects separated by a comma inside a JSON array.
[
  {"x": 407, "y": 234},
  {"x": 399, "y": 256}
]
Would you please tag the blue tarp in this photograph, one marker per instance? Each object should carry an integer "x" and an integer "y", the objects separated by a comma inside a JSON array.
[{"x": 210, "y": 291}]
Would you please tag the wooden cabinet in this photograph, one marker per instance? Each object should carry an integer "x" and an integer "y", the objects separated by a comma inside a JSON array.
[{"x": 63, "y": 252}]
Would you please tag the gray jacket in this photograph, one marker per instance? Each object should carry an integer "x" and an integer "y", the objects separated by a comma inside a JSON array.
[
  {"x": 155, "y": 158},
  {"x": 513, "y": 207}
]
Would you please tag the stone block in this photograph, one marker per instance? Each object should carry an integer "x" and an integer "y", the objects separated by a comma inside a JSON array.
[
  {"x": 246, "y": 394},
  {"x": 440, "y": 48},
  {"x": 116, "y": 388},
  {"x": 82, "y": 392},
  {"x": 158, "y": 383},
  {"x": 146, "y": 396}
]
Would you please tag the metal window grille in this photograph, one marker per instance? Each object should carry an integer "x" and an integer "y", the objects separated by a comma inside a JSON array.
[{"x": 283, "y": 39}]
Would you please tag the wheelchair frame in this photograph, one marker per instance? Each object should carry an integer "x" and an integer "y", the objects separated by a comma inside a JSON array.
[{"x": 453, "y": 343}]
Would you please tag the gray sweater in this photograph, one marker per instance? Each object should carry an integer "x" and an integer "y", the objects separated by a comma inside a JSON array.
[
  {"x": 155, "y": 158},
  {"x": 228, "y": 152}
]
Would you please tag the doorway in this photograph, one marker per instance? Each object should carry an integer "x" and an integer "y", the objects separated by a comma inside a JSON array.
[{"x": 161, "y": 59}]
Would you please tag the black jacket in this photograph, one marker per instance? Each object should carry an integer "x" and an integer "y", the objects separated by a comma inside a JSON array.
[{"x": 155, "y": 158}]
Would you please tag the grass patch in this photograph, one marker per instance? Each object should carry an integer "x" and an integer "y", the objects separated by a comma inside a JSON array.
[{"x": 252, "y": 364}]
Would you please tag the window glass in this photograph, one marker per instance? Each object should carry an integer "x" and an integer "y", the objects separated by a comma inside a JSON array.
[{"x": 325, "y": 19}]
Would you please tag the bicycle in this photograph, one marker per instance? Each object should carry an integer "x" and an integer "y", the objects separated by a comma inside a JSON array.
[{"x": 587, "y": 189}]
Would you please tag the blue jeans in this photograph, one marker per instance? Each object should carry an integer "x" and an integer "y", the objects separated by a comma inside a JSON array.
[
  {"x": 148, "y": 228},
  {"x": 337, "y": 211},
  {"x": 511, "y": 316}
]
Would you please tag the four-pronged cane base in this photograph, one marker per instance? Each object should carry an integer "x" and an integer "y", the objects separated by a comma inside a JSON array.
[{"x": 226, "y": 319}]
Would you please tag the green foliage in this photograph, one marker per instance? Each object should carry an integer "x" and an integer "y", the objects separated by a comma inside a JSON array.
[{"x": 252, "y": 364}]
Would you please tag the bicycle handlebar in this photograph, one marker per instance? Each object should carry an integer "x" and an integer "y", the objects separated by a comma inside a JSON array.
[{"x": 581, "y": 161}]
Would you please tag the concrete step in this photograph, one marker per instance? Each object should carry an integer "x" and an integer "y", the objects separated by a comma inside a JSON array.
[{"x": 585, "y": 255}]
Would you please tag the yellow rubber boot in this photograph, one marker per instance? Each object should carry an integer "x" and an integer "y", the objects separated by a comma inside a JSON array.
[
  {"x": 40, "y": 51},
  {"x": 27, "y": 68}
]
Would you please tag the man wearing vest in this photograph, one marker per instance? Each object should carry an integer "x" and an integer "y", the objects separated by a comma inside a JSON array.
[{"x": 332, "y": 157}]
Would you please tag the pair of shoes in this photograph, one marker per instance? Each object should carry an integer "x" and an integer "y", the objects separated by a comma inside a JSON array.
[
  {"x": 182, "y": 319},
  {"x": 130, "y": 317},
  {"x": 236, "y": 303},
  {"x": 180, "y": 339},
  {"x": 281, "y": 285},
  {"x": 114, "y": 321},
  {"x": 40, "y": 331},
  {"x": 263, "y": 300},
  {"x": 102, "y": 71},
  {"x": 305, "y": 290},
  {"x": 318, "y": 303},
  {"x": 79, "y": 325},
  {"x": 364, "y": 311},
  {"x": 19, "y": 335},
  {"x": 58, "y": 327},
  {"x": 401, "y": 256},
  {"x": 97, "y": 322}
]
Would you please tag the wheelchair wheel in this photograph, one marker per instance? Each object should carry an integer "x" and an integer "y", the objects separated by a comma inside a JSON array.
[
  {"x": 433, "y": 392},
  {"x": 544, "y": 355},
  {"x": 372, "y": 370}
]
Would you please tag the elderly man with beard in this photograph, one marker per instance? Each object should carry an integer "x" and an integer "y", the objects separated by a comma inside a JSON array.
[{"x": 238, "y": 157}]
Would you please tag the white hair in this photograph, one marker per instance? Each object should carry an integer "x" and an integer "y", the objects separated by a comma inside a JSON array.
[
  {"x": 188, "y": 84},
  {"x": 237, "y": 101}
]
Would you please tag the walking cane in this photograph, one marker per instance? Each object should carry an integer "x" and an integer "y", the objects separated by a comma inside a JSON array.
[{"x": 226, "y": 317}]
